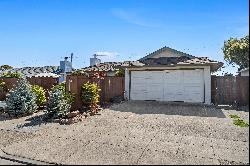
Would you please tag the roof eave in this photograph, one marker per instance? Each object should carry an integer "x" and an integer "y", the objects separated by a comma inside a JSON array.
[{"x": 213, "y": 66}]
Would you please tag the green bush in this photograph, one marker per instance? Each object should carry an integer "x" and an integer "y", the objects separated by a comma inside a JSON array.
[
  {"x": 120, "y": 73},
  {"x": 68, "y": 96},
  {"x": 59, "y": 102},
  {"x": 79, "y": 73},
  {"x": 40, "y": 95},
  {"x": 5, "y": 67},
  {"x": 57, "y": 106},
  {"x": 11, "y": 75},
  {"x": 21, "y": 100},
  {"x": 3, "y": 86},
  {"x": 90, "y": 93}
]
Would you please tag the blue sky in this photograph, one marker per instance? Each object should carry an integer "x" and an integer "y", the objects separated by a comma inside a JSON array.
[{"x": 42, "y": 32}]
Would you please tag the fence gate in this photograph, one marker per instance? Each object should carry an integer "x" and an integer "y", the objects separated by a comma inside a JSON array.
[{"x": 230, "y": 90}]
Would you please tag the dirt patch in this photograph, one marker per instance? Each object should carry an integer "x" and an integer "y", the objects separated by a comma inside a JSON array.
[{"x": 141, "y": 133}]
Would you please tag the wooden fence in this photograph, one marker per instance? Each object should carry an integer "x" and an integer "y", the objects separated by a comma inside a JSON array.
[
  {"x": 230, "y": 90},
  {"x": 225, "y": 89},
  {"x": 45, "y": 82},
  {"x": 110, "y": 87}
]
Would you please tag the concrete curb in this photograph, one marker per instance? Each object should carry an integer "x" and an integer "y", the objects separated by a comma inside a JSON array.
[{"x": 22, "y": 160}]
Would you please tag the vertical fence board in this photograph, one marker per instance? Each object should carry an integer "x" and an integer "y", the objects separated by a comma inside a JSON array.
[
  {"x": 230, "y": 90},
  {"x": 45, "y": 82},
  {"x": 110, "y": 87}
]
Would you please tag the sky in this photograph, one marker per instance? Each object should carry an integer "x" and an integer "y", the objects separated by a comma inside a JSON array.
[{"x": 43, "y": 32}]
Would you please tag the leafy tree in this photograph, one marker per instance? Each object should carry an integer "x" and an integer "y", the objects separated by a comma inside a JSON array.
[
  {"x": 11, "y": 75},
  {"x": 236, "y": 51},
  {"x": 120, "y": 73},
  {"x": 5, "y": 67}
]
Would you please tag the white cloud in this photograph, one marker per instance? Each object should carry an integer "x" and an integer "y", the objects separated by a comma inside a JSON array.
[
  {"x": 133, "y": 17},
  {"x": 106, "y": 53}
]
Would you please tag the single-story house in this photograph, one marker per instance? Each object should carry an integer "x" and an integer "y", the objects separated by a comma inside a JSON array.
[
  {"x": 164, "y": 75},
  {"x": 170, "y": 75},
  {"x": 244, "y": 72}
]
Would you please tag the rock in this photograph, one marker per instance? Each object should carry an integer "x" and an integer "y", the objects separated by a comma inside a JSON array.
[
  {"x": 63, "y": 121},
  {"x": 73, "y": 114},
  {"x": 56, "y": 120},
  {"x": 71, "y": 121}
]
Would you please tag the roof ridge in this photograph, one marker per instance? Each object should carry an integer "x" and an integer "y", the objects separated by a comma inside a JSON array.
[{"x": 165, "y": 48}]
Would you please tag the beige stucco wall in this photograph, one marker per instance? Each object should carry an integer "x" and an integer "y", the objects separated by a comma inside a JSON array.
[{"x": 126, "y": 94}]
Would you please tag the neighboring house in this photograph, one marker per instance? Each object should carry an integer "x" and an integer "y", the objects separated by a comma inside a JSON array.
[
  {"x": 35, "y": 71},
  {"x": 59, "y": 72},
  {"x": 108, "y": 68},
  {"x": 244, "y": 72},
  {"x": 170, "y": 75}
]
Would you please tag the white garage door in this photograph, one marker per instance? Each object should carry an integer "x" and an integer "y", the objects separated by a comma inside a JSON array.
[{"x": 171, "y": 85}]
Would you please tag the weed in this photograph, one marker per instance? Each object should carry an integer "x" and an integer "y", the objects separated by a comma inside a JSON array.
[
  {"x": 240, "y": 122},
  {"x": 234, "y": 116}
]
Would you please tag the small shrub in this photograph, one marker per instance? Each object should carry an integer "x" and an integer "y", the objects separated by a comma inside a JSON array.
[
  {"x": 21, "y": 100},
  {"x": 68, "y": 96},
  {"x": 240, "y": 122},
  {"x": 40, "y": 95},
  {"x": 120, "y": 73},
  {"x": 11, "y": 75},
  {"x": 90, "y": 96},
  {"x": 3, "y": 86},
  {"x": 234, "y": 116},
  {"x": 90, "y": 93},
  {"x": 57, "y": 105},
  {"x": 59, "y": 102}
]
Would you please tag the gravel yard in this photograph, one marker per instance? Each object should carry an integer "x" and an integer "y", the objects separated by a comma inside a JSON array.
[{"x": 133, "y": 133}]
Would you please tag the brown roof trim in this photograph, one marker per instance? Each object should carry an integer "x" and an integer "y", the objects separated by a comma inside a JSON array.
[{"x": 213, "y": 66}]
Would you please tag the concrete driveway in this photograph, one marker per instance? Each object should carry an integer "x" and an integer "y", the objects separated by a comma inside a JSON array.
[{"x": 137, "y": 133}]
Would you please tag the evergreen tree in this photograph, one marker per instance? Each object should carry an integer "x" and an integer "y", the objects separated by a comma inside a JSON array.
[
  {"x": 58, "y": 105},
  {"x": 21, "y": 100}
]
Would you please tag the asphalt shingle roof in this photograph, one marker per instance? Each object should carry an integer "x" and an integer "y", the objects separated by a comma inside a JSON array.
[
  {"x": 111, "y": 66},
  {"x": 163, "y": 61},
  {"x": 34, "y": 71},
  {"x": 177, "y": 60}
]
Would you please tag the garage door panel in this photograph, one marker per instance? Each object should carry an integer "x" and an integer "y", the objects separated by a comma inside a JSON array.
[
  {"x": 172, "y": 77},
  {"x": 170, "y": 85},
  {"x": 192, "y": 76}
]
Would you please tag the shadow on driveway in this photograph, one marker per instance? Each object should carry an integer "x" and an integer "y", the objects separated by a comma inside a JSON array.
[{"x": 168, "y": 108}]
